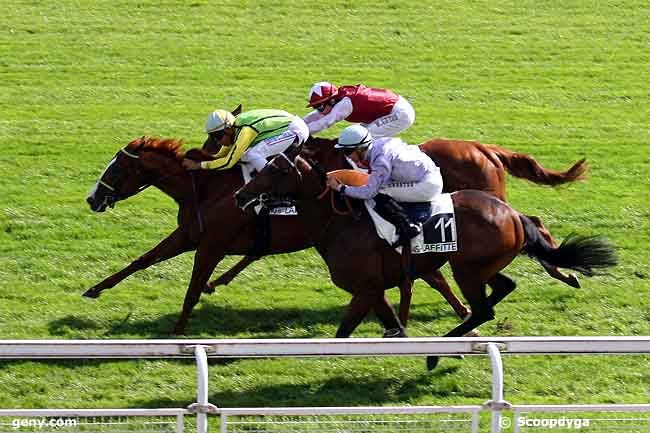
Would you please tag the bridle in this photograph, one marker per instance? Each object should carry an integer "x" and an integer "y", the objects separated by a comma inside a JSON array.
[
  {"x": 115, "y": 188},
  {"x": 346, "y": 199}
]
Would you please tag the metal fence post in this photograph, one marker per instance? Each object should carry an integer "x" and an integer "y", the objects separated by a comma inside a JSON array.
[
  {"x": 201, "y": 388},
  {"x": 497, "y": 403},
  {"x": 497, "y": 386},
  {"x": 202, "y": 407}
]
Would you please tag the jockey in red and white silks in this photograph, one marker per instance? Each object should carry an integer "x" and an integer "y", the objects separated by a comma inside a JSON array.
[
  {"x": 382, "y": 112},
  {"x": 397, "y": 169}
]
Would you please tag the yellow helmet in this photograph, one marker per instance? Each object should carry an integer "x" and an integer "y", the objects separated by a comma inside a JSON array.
[{"x": 218, "y": 120}]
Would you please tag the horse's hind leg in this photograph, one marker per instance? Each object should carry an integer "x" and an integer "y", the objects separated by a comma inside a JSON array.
[
  {"x": 230, "y": 274},
  {"x": 554, "y": 271},
  {"x": 436, "y": 280},
  {"x": 173, "y": 245},
  {"x": 502, "y": 286},
  {"x": 473, "y": 288}
]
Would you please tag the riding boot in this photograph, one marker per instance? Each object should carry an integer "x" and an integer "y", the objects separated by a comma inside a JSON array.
[{"x": 395, "y": 214}]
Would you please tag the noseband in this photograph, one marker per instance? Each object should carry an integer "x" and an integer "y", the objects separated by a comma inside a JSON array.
[{"x": 117, "y": 196}]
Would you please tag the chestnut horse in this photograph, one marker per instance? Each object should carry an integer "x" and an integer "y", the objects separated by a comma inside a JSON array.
[
  {"x": 209, "y": 220},
  {"x": 154, "y": 161},
  {"x": 490, "y": 234}
]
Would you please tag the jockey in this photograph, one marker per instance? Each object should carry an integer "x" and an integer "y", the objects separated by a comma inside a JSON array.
[
  {"x": 383, "y": 112},
  {"x": 398, "y": 173},
  {"x": 251, "y": 137}
]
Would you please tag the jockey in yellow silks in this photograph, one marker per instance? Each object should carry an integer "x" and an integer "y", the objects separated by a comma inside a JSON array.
[{"x": 251, "y": 137}]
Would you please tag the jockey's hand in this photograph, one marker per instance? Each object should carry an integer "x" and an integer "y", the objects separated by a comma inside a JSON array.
[
  {"x": 190, "y": 164},
  {"x": 333, "y": 182}
]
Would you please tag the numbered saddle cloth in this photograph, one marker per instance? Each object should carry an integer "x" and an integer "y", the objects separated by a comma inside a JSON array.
[
  {"x": 438, "y": 232},
  {"x": 281, "y": 207}
]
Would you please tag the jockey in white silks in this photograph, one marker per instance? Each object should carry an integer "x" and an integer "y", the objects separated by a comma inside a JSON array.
[{"x": 397, "y": 170}]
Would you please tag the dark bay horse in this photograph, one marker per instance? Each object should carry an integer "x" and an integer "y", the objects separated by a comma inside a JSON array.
[
  {"x": 153, "y": 161},
  {"x": 463, "y": 164},
  {"x": 490, "y": 235}
]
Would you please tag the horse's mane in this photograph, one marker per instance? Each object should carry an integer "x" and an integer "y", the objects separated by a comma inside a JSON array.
[{"x": 170, "y": 146}]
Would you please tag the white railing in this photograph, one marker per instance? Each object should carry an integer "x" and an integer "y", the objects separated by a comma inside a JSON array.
[
  {"x": 255, "y": 348},
  {"x": 382, "y": 418}
]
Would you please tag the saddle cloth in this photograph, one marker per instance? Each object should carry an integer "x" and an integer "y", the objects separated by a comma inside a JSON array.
[
  {"x": 284, "y": 207},
  {"x": 438, "y": 232},
  {"x": 438, "y": 218}
]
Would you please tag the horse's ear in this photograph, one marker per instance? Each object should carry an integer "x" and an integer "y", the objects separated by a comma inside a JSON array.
[{"x": 237, "y": 110}]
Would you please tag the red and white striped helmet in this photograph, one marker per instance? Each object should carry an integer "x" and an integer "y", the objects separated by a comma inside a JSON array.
[{"x": 321, "y": 92}]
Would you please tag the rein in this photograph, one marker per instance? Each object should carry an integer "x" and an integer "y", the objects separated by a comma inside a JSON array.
[
  {"x": 346, "y": 199},
  {"x": 195, "y": 197}
]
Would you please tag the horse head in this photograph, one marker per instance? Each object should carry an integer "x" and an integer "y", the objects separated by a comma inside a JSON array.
[
  {"x": 322, "y": 151},
  {"x": 143, "y": 162}
]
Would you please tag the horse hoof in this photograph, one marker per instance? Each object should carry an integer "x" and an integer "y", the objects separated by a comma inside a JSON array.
[
  {"x": 394, "y": 333},
  {"x": 209, "y": 289},
  {"x": 473, "y": 333},
  {"x": 572, "y": 280},
  {"x": 432, "y": 362},
  {"x": 90, "y": 293}
]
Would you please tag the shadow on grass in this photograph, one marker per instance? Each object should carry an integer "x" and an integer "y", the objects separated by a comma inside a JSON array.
[
  {"x": 334, "y": 392},
  {"x": 219, "y": 320}
]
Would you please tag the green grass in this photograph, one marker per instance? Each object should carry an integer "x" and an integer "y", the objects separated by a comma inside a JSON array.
[{"x": 80, "y": 79}]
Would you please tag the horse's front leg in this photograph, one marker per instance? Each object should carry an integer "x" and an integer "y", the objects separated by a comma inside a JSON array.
[
  {"x": 205, "y": 260},
  {"x": 357, "y": 309},
  {"x": 174, "y": 244},
  {"x": 230, "y": 274},
  {"x": 405, "y": 296},
  {"x": 386, "y": 315}
]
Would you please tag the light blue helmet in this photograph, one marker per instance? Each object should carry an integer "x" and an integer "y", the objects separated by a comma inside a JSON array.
[{"x": 353, "y": 137}]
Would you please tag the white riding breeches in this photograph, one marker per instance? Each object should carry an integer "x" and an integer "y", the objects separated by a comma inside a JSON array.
[
  {"x": 297, "y": 133},
  {"x": 423, "y": 191},
  {"x": 399, "y": 119}
]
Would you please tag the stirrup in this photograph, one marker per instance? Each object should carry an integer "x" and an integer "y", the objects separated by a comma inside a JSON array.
[
  {"x": 404, "y": 239},
  {"x": 412, "y": 231}
]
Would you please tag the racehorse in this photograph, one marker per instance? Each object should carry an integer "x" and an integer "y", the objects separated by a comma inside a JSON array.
[
  {"x": 209, "y": 220},
  {"x": 463, "y": 164},
  {"x": 206, "y": 205},
  {"x": 490, "y": 234}
]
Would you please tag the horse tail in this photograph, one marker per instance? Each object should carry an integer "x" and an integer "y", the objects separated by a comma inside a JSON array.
[
  {"x": 577, "y": 252},
  {"x": 525, "y": 167}
]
